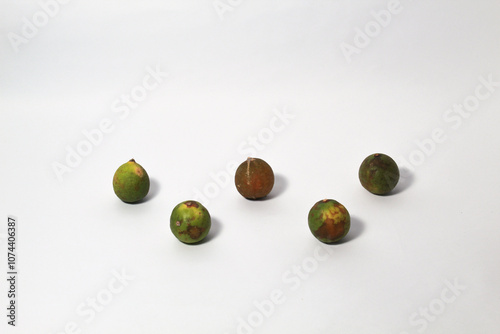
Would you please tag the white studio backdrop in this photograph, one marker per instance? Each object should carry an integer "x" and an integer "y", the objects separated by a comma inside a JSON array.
[{"x": 190, "y": 89}]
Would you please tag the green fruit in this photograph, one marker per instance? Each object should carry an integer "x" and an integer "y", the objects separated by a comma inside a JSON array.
[
  {"x": 379, "y": 174},
  {"x": 190, "y": 222},
  {"x": 131, "y": 182},
  {"x": 254, "y": 178},
  {"x": 329, "y": 221}
]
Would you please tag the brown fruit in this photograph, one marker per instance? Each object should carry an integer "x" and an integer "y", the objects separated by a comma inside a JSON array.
[{"x": 254, "y": 178}]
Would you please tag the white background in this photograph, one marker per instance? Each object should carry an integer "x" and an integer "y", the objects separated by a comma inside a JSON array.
[{"x": 228, "y": 74}]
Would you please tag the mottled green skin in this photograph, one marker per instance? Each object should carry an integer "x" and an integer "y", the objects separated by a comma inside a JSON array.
[
  {"x": 131, "y": 182},
  {"x": 379, "y": 174},
  {"x": 190, "y": 222},
  {"x": 254, "y": 178},
  {"x": 329, "y": 221}
]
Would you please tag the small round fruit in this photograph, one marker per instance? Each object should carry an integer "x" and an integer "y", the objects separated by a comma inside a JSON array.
[
  {"x": 379, "y": 174},
  {"x": 329, "y": 221},
  {"x": 254, "y": 178},
  {"x": 131, "y": 182},
  {"x": 190, "y": 222}
]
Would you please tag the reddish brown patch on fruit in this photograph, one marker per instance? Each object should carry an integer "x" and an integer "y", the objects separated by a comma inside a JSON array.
[
  {"x": 195, "y": 232},
  {"x": 331, "y": 231},
  {"x": 191, "y": 204}
]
